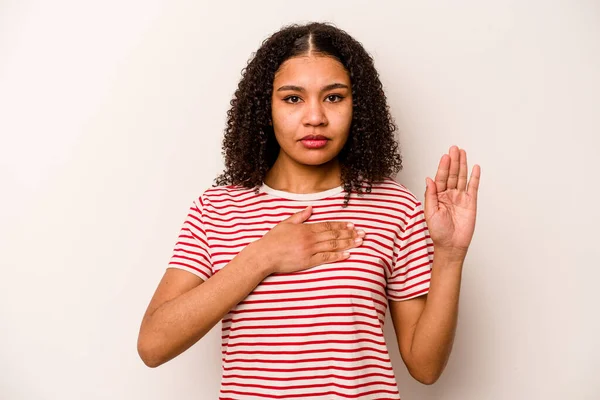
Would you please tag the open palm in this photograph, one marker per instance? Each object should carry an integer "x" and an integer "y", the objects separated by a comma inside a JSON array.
[{"x": 451, "y": 205}]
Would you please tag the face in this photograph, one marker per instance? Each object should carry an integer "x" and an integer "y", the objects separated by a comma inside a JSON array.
[{"x": 311, "y": 109}]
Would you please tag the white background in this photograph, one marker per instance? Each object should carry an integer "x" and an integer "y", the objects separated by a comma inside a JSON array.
[{"x": 111, "y": 120}]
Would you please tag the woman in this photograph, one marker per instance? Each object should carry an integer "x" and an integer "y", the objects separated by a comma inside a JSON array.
[{"x": 305, "y": 240}]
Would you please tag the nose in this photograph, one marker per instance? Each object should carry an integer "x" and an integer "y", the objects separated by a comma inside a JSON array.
[{"x": 314, "y": 114}]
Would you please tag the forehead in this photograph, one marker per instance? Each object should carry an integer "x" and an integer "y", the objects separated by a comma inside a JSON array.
[{"x": 311, "y": 69}]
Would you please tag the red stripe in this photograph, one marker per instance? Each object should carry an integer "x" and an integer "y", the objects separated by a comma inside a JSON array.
[
  {"x": 412, "y": 251},
  {"x": 322, "y": 359},
  {"x": 415, "y": 223},
  {"x": 314, "y": 385},
  {"x": 303, "y": 334},
  {"x": 415, "y": 294},
  {"x": 193, "y": 236},
  {"x": 192, "y": 267},
  {"x": 371, "y": 230},
  {"x": 414, "y": 261},
  {"x": 190, "y": 215},
  {"x": 326, "y": 279},
  {"x": 312, "y": 271},
  {"x": 283, "y": 396},
  {"x": 307, "y": 377},
  {"x": 419, "y": 238},
  {"x": 312, "y": 368},
  {"x": 230, "y": 255},
  {"x": 204, "y": 256},
  {"x": 384, "y": 258},
  {"x": 392, "y": 284},
  {"x": 279, "y": 352},
  {"x": 290, "y": 326},
  {"x": 414, "y": 233},
  {"x": 179, "y": 247},
  {"x": 304, "y": 343},
  {"x": 428, "y": 254},
  {"x": 288, "y": 317},
  {"x": 319, "y": 306},
  {"x": 360, "y": 288},
  {"x": 189, "y": 244},
  {"x": 180, "y": 257},
  {"x": 238, "y": 238},
  {"x": 407, "y": 288},
  {"x": 230, "y": 195},
  {"x": 196, "y": 227},
  {"x": 333, "y": 296}
]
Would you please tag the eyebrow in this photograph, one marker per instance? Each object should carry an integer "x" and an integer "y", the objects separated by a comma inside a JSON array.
[{"x": 323, "y": 89}]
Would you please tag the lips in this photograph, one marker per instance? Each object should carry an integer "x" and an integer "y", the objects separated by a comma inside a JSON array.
[
  {"x": 314, "y": 142},
  {"x": 314, "y": 137}
]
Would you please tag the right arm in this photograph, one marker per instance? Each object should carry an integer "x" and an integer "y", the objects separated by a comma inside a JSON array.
[{"x": 185, "y": 308}]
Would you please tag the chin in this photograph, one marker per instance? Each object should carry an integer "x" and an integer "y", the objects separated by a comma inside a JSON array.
[{"x": 315, "y": 159}]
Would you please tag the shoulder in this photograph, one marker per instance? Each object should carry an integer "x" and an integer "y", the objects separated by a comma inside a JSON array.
[
  {"x": 215, "y": 195},
  {"x": 397, "y": 196},
  {"x": 401, "y": 204}
]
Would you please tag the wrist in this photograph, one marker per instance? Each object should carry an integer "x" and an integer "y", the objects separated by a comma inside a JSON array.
[
  {"x": 449, "y": 255},
  {"x": 257, "y": 257}
]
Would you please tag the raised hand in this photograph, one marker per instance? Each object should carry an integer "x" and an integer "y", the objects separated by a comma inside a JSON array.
[{"x": 451, "y": 205}]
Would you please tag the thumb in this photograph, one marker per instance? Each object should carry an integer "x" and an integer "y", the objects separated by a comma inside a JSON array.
[
  {"x": 300, "y": 216},
  {"x": 431, "y": 199}
]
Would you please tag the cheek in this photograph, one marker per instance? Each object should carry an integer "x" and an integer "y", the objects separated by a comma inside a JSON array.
[
  {"x": 285, "y": 121},
  {"x": 342, "y": 119}
]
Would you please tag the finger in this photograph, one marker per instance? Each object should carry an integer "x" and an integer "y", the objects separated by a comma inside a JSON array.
[
  {"x": 474, "y": 181},
  {"x": 441, "y": 176},
  {"x": 300, "y": 216},
  {"x": 336, "y": 245},
  {"x": 431, "y": 199},
  {"x": 330, "y": 226},
  {"x": 334, "y": 234},
  {"x": 327, "y": 257},
  {"x": 454, "y": 167},
  {"x": 463, "y": 171}
]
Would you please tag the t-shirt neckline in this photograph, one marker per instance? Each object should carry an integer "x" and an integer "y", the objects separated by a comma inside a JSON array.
[{"x": 264, "y": 188}]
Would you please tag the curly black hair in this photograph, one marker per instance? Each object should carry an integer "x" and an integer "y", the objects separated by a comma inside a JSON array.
[{"x": 249, "y": 145}]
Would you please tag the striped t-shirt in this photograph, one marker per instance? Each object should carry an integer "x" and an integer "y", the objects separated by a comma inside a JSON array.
[{"x": 316, "y": 333}]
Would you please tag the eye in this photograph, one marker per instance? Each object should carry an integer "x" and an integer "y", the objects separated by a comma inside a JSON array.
[
  {"x": 334, "y": 98},
  {"x": 292, "y": 99}
]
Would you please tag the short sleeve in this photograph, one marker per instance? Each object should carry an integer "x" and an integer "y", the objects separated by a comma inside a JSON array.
[
  {"x": 192, "y": 252},
  {"x": 413, "y": 259}
]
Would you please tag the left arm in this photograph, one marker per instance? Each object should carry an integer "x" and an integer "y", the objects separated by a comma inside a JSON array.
[{"x": 425, "y": 326}]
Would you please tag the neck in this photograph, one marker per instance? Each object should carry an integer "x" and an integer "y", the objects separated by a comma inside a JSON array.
[{"x": 290, "y": 176}]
